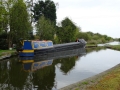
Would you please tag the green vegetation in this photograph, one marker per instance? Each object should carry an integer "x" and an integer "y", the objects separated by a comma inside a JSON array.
[
  {"x": 45, "y": 29},
  {"x": 3, "y": 18},
  {"x": 96, "y": 38},
  {"x": 76, "y": 89},
  {"x": 91, "y": 45},
  {"x": 67, "y": 31},
  {"x": 119, "y": 39},
  {"x": 85, "y": 83},
  {"x": 115, "y": 47},
  {"x": 19, "y": 22},
  {"x": 3, "y": 52},
  {"x": 45, "y": 8},
  {"x": 14, "y": 22},
  {"x": 110, "y": 81},
  {"x": 3, "y": 42}
]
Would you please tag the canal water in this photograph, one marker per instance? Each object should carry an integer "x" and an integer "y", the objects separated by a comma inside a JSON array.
[{"x": 55, "y": 73}]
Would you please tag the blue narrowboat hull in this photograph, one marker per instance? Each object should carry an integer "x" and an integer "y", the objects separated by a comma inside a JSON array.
[
  {"x": 26, "y": 54},
  {"x": 53, "y": 49}
]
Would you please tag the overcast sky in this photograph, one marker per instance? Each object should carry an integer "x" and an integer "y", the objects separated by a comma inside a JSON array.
[{"x": 97, "y": 16}]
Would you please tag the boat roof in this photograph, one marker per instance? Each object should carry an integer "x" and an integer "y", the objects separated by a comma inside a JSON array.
[{"x": 38, "y": 40}]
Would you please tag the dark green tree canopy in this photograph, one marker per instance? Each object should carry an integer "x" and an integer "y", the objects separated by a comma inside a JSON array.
[
  {"x": 19, "y": 22},
  {"x": 67, "y": 32},
  {"x": 46, "y": 8},
  {"x": 119, "y": 39},
  {"x": 3, "y": 18},
  {"x": 45, "y": 29}
]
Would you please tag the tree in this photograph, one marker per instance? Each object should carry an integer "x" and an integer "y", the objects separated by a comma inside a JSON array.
[
  {"x": 45, "y": 8},
  {"x": 19, "y": 22},
  {"x": 45, "y": 29},
  {"x": 78, "y": 30},
  {"x": 3, "y": 17},
  {"x": 119, "y": 39},
  {"x": 3, "y": 40},
  {"x": 83, "y": 35},
  {"x": 67, "y": 32}
]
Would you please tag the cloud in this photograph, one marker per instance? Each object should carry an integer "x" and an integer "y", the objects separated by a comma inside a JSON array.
[{"x": 102, "y": 16}]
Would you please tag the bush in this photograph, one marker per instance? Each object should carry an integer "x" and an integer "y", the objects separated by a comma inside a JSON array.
[
  {"x": 92, "y": 42},
  {"x": 3, "y": 41}
]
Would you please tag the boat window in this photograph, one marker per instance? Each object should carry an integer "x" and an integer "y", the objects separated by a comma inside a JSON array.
[
  {"x": 50, "y": 44},
  {"x": 49, "y": 62},
  {"x": 36, "y": 45},
  {"x": 42, "y": 64},
  {"x": 42, "y": 44}
]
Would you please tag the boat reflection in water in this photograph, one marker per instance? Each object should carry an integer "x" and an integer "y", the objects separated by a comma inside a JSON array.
[
  {"x": 40, "y": 61},
  {"x": 33, "y": 66}
]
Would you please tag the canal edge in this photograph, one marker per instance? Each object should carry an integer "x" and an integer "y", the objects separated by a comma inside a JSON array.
[{"x": 88, "y": 81}]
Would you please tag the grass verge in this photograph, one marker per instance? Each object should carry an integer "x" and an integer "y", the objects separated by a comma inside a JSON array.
[
  {"x": 91, "y": 45},
  {"x": 110, "y": 81},
  {"x": 3, "y": 52},
  {"x": 115, "y": 47}
]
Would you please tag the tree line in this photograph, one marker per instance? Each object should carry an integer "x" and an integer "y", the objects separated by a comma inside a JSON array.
[{"x": 18, "y": 16}]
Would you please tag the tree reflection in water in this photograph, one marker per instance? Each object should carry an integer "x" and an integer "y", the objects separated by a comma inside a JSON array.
[
  {"x": 13, "y": 75},
  {"x": 44, "y": 78}
]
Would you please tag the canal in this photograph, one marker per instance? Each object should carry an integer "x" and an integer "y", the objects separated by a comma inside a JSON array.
[{"x": 55, "y": 73}]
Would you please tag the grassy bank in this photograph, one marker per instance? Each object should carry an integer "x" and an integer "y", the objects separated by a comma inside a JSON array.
[
  {"x": 3, "y": 52},
  {"x": 91, "y": 45},
  {"x": 115, "y": 47},
  {"x": 111, "y": 81}
]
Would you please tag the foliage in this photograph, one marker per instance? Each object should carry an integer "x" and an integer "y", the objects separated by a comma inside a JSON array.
[
  {"x": 3, "y": 17},
  {"x": 45, "y": 8},
  {"x": 119, "y": 39},
  {"x": 67, "y": 32},
  {"x": 92, "y": 42},
  {"x": 3, "y": 41},
  {"x": 19, "y": 22},
  {"x": 115, "y": 47},
  {"x": 95, "y": 38},
  {"x": 45, "y": 29},
  {"x": 56, "y": 40},
  {"x": 78, "y": 30},
  {"x": 83, "y": 35}
]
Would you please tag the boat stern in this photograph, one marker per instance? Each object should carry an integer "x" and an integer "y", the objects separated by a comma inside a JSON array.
[
  {"x": 26, "y": 53},
  {"x": 27, "y": 49}
]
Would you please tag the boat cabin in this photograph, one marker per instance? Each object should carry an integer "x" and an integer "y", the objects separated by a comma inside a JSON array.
[{"x": 32, "y": 45}]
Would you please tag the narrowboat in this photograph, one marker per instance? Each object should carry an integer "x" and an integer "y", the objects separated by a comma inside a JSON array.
[{"x": 35, "y": 47}]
